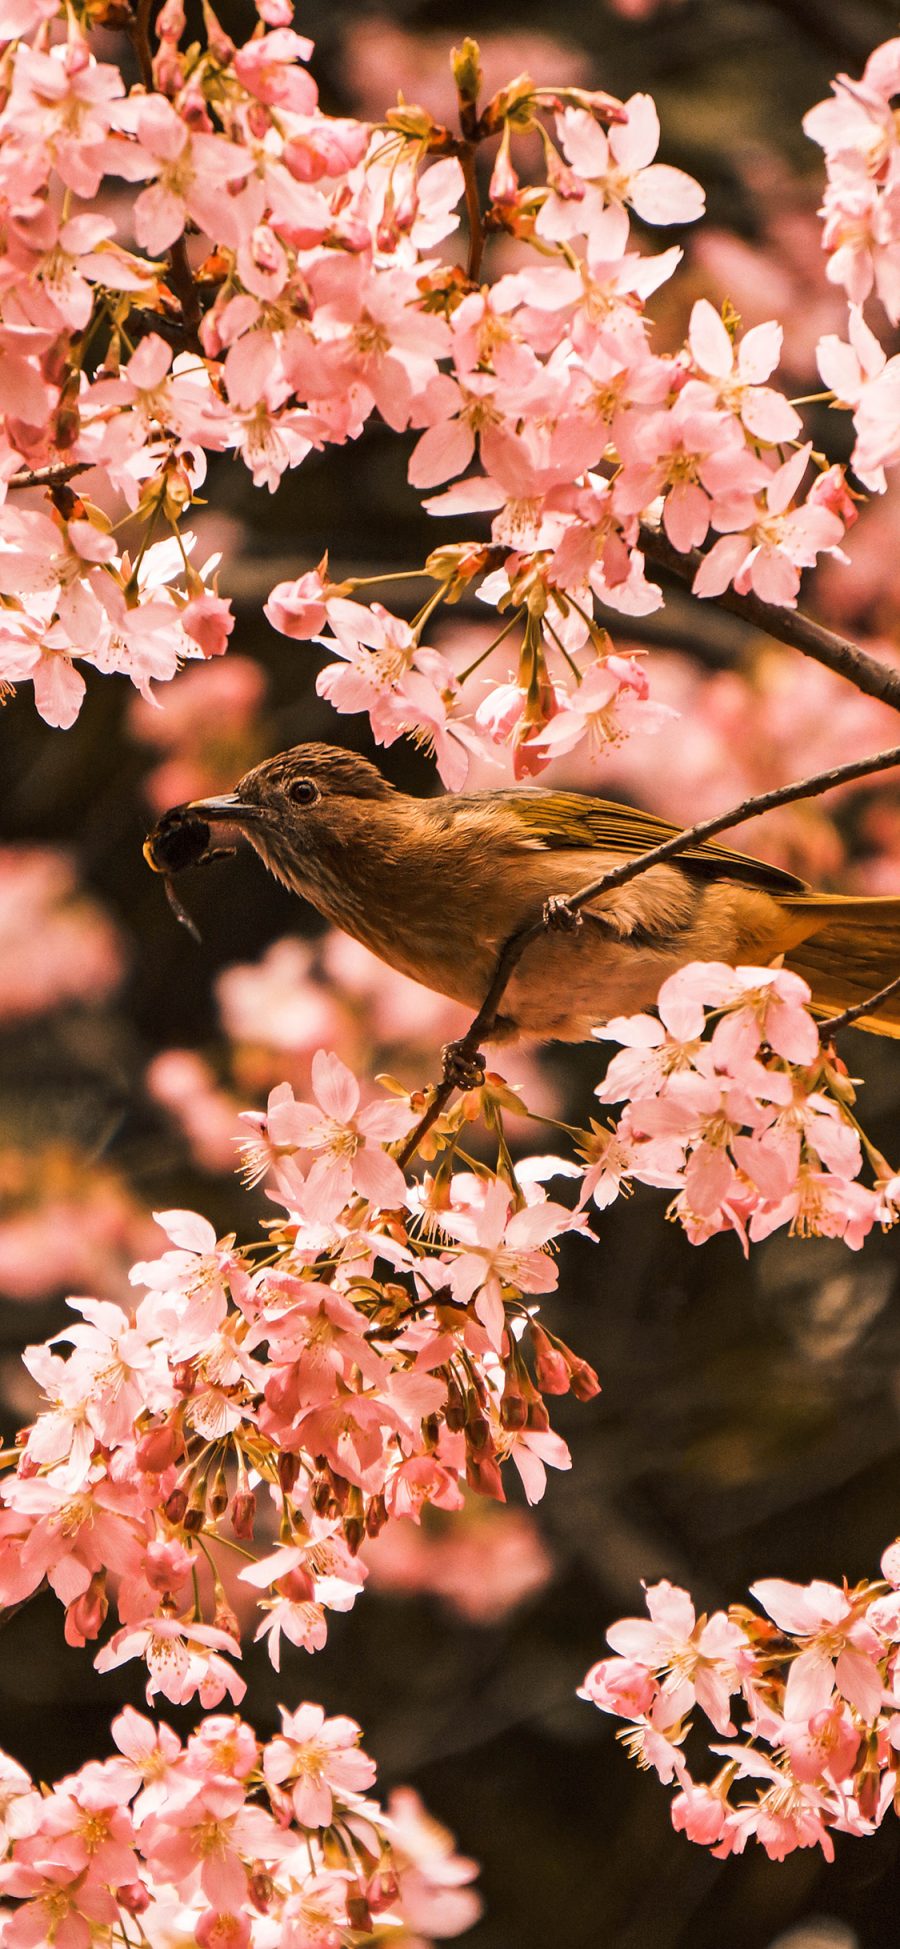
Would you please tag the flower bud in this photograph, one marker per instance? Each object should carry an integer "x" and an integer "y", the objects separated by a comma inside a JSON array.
[
  {"x": 175, "y": 1505},
  {"x": 513, "y": 1409},
  {"x": 218, "y": 1499},
  {"x": 261, "y": 1888},
  {"x": 483, "y": 1475},
  {"x": 157, "y": 1449},
  {"x": 225, "y": 1619},
  {"x": 243, "y": 1512},
  {"x": 86, "y": 1615},
  {"x": 478, "y": 1434},
  {"x": 551, "y": 1368},
  {"x": 538, "y": 1418},
  {"x": 467, "y": 72},
  {"x": 133, "y": 1897},
  {"x": 585, "y": 1383},
  {"x": 358, "y": 1912},
  {"x": 376, "y": 1515}
]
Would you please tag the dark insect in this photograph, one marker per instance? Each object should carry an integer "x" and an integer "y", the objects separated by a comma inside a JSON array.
[{"x": 181, "y": 839}]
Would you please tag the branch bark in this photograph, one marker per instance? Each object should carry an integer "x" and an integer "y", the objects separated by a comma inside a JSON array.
[
  {"x": 868, "y": 1007},
  {"x": 51, "y": 476},
  {"x": 462, "y": 1060},
  {"x": 180, "y": 273},
  {"x": 789, "y": 626}
]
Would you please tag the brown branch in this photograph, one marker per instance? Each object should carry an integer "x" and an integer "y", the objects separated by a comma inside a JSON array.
[
  {"x": 180, "y": 273},
  {"x": 140, "y": 34},
  {"x": 868, "y": 1007},
  {"x": 51, "y": 476},
  {"x": 466, "y": 153},
  {"x": 462, "y": 1060},
  {"x": 789, "y": 626}
]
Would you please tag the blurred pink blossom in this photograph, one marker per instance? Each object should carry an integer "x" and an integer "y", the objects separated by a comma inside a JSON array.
[
  {"x": 206, "y": 721},
  {"x": 56, "y": 944},
  {"x": 66, "y": 1225},
  {"x": 184, "y": 1084},
  {"x": 483, "y": 1563}
]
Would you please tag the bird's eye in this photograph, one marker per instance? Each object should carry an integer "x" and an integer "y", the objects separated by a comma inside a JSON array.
[{"x": 303, "y": 791}]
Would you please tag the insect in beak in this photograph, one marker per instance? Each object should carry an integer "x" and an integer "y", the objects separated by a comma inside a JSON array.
[{"x": 181, "y": 839}]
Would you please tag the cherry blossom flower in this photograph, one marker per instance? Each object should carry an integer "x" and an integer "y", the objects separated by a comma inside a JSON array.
[
  {"x": 345, "y": 1141},
  {"x": 315, "y": 1758},
  {"x": 617, "y": 168}
]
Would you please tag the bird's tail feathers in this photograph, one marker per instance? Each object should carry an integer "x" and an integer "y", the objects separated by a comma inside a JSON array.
[{"x": 849, "y": 950}]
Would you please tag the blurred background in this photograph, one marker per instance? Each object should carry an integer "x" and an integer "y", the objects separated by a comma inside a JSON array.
[{"x": 749, "y": 1420}]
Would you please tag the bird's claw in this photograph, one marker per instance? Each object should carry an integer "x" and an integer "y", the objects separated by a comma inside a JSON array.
[
  {"x": 463, "y": 1067},
  {"x": 560, "y": 917}
]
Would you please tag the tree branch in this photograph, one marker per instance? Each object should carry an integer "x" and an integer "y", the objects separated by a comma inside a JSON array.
[
  {"x": 466, "y": 154},
  {"x": 180, "y": 273},
  {"x": 868, "y": 1007},
  {"x": 879, "y": 680},
  {"x": 463, "y": 1056},
  {"x": 51, "y": 476}
]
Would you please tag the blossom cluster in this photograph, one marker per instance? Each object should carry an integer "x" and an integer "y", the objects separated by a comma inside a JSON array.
[
  {"x": 857, "y": 130},
  {"x": 815, "y": 1670},
  {"x": 752, "y": 1125},
  {"x": 319, "y": 294},
  {"x": 376, "y": 1352},
  {"x": 378, "y": 1349},
  {"x": 225, "y": 1841}
]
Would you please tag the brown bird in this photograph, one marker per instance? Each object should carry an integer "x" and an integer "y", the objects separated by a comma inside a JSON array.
[{"x": 436, "y": 886}]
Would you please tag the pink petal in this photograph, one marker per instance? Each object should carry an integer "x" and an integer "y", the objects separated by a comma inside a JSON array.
[
  {"x": 860, "y": 1683},
  {"x": 335, "y": 1086},
  {"x": 709, "y": 341},
  {"x": 665, "y": 195},
  {"x": 810, "y": 1686},
  {"x": 442, "y": 452}
]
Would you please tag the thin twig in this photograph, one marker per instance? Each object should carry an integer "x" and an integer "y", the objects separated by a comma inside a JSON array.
[
  {"x": 140, "y": 34},
  {"x": 180, "y": 273},
  {"x": 880, "y": 680},
  {"x": 868, "y": 1007},
  {"x": 51, "y": 476},
  {"x": 465, "y": 1051},
  {"x": 473, "y": 210}
]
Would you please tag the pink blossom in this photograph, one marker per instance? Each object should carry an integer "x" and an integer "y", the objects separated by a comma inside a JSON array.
[
  {"x": 345, "y": 1141},
  {"x": 182, "y": 1658},
  {"x": 618, "y": 168},
  {"x": 500, "y": 1243},
  {"x": 704, "y": 1658},
  {"x": 317, "y": 1759}
]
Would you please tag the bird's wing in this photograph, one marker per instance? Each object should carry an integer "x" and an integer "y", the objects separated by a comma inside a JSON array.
[{"x": 603, "y": 825}]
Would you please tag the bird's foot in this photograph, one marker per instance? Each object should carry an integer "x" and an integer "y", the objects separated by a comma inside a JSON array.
[
  {"x": 559, "y": 917},
  {"x": 463, "y": 1066}
]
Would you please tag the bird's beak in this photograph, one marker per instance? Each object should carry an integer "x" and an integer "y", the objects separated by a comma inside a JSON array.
[{"x": 228, "y": 810}]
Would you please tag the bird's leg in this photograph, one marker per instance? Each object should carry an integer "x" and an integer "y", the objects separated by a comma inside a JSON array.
[
  {"x": 463, "y": 1065},
  {"x": 559, "y": 917}
]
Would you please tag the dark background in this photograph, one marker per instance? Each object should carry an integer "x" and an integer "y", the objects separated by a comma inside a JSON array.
[{"x": 748, "y": 1424}]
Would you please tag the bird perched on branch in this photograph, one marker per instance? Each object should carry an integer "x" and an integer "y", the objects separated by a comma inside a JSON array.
[{"x": 437, "y": 886}]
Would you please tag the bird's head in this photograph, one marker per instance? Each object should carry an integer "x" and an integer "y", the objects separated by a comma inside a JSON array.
[{"x": 304, "y": 811}]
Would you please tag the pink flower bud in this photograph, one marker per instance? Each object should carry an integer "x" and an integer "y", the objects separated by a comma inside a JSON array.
[
  {"x": 551, "y": 1370},
  {"x": 158, "y": 1448},
  {"x": 86, "y": 1615},
  {"x": 243, "y": 1512},
  {"x": 585, "y": 1383},
  {"x": 483, "y": 1475},
  {"x": 133, "y": 1897},
  {"x": 175, "y": 1506}
]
